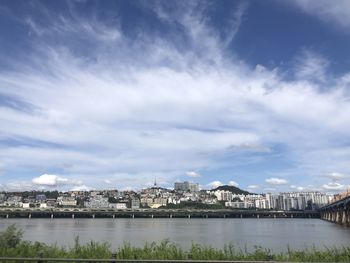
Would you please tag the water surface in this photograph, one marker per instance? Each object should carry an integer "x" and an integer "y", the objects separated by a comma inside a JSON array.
[{"x": 276, "y": 234}]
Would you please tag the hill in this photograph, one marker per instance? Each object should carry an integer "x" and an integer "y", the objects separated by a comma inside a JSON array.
[{"x": 232, "y": 189}]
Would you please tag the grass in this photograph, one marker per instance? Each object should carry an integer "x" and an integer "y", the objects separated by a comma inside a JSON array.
[{"x": 12, "y": 245}]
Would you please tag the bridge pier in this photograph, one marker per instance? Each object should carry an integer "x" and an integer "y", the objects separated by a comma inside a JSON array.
[
  {"x": 343, "y": 219},
  {"x": 337, "y": 220}
]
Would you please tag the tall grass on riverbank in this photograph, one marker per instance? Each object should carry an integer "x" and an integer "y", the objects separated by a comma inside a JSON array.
[{"x": 12, "y": 245}]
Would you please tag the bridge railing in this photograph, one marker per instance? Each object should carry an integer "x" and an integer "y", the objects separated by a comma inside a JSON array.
[{"x": 341, "y": 196}]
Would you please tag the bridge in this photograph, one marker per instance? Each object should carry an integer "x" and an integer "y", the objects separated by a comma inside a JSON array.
[
  {"x": 339, "y": 210},
  {"x": 150, "y": 213}
]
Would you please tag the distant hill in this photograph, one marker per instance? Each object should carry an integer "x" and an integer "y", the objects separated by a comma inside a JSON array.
[{"x": 232, "y": 189}]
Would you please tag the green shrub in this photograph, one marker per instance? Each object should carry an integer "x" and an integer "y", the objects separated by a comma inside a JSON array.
[{"x": 11, "y": 237}]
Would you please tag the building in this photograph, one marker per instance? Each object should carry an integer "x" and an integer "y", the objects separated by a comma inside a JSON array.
[
  {"x": 186, "y": 187},
  {"x": 135, "y": 203},
  {"x": 66, "y": 201}
]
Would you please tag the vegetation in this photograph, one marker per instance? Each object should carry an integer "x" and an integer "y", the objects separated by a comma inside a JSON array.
[{"x": 11, "y": 245}]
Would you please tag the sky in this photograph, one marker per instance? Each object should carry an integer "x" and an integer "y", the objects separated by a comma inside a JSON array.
[{"x": 118, "y": 94}]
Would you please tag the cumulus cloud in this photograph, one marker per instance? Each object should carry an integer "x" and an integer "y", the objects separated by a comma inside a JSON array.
[
  {"x": 214, "y": 184},
  {"x": 53, "y": 180},
  {"x": 81, "y": 188},
  {"x": 276, "y": 181},
  {"x": 49, "y": 180},
  {"x": 233, "y": 183},
  {"x": 193, "y": 174}
]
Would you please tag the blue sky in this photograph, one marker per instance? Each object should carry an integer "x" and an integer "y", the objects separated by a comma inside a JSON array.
[{"x": 113, "y": 94}]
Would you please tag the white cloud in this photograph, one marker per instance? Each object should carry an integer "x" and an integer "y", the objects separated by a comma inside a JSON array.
[
  {"x": 276, "y": 181},
  {"x": 298, "y": 188},
  {"x": 161, "y": 110},
  {"x": 18, "y": 186},
  {"x": 270, "y": 189},
  {"x": 49, "y": 180},
  {"x": 334, "y": 186},
  {"x": 193, "y": 174},
  {"x": 233, "y": 183},
  {"x": 336, "y": 176},
  {"x": 336, "y": 11},
  {"x": 107, "y": 181},
  {"x": 53, "y": 180},
  {"x": 311, "y": 66},
  {"x": 214, "y": 184},
  {"x": 81, "y": 188},
  {"x": 253, "y": 187}
]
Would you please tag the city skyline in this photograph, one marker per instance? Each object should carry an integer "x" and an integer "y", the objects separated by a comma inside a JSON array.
[{"x": 98, "y": 94}]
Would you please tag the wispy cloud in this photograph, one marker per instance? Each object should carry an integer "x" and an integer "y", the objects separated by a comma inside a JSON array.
[
  {"x": 329, "y": 11},
  {"x": 311, "y": 66},
  {"x": 105, "y": 105},
  {"x": 334, "y": 186},
  {"x": 337, "y": 176}
]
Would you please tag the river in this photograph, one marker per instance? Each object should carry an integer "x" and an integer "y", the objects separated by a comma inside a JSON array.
[{"x": 275, "y": 234}]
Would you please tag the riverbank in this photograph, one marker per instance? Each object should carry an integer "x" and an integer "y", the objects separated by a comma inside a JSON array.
[{"x": 12, "y": 245}]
